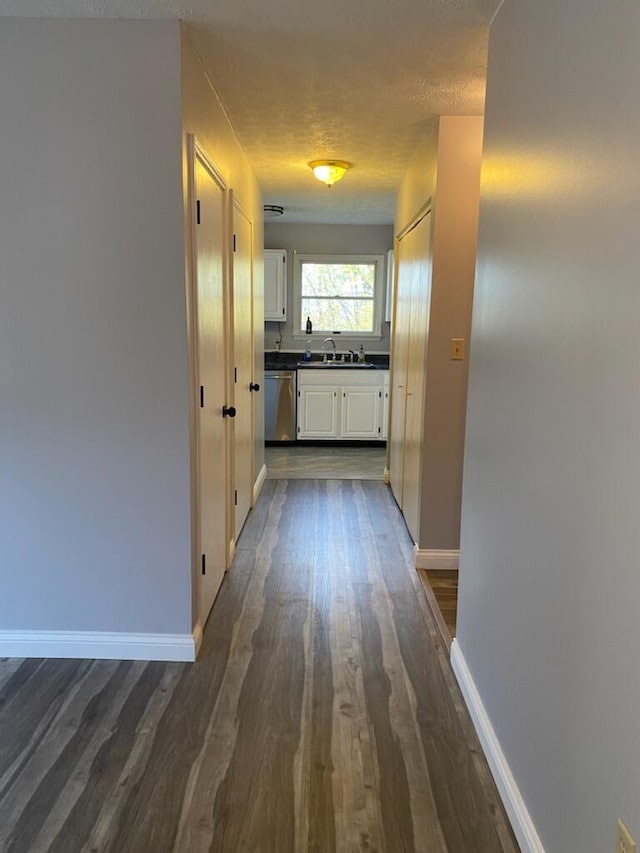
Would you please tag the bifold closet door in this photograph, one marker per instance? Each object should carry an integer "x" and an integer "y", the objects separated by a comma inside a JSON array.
[
  {"x": 409, "y": 369},
  {"x": 210, "y": 346},
  {"x": 246, "y": 395},
  {"x": 398, "y": 379}
]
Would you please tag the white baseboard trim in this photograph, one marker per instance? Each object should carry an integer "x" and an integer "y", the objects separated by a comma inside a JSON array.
[
  {"x": 523, "y": 826},
  {"x": 430, "y": 559},
  {"x": 259, "y": 483},
  {"x": 99, "y": 644}
]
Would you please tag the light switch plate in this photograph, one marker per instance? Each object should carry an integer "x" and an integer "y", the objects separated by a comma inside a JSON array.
[
  {"x": 624, "y": 840},
  {"x": 456, "y": 349}
]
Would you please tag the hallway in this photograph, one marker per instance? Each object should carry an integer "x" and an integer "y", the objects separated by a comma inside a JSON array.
[{"x": 322, "y": 714}]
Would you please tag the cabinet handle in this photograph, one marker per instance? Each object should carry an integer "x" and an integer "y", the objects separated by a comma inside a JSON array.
[
  {"x": 228, "y": 412},
  {"x": 254, "y": 386}
]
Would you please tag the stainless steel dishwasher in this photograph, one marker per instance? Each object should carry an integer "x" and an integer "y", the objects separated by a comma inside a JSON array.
[{"x": 280, "y": 405}]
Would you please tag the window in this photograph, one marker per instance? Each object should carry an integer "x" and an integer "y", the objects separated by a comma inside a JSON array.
[{"x": 339, "y": 293}]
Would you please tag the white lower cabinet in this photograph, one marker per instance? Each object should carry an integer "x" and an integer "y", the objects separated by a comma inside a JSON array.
[
  {"x": 335, "y": 403},
  {"x": 385, "y": 407},
  {"x": 318, "y": 412},
  {"x": 361, "y": 412}
]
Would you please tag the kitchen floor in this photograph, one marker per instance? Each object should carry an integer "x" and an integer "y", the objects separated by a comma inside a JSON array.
[
  {"x": 322, "y": 714},
  {"x": 325, "y": 463}
]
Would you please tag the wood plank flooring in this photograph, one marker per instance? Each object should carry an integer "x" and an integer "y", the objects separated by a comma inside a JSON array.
[{"x": 322, "y": 715}]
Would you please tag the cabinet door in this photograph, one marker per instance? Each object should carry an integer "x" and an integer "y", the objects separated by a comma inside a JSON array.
[
  {"x": 318, "y": 412},
  {"x": 384, "y": 415},
  {"x": 360, "y": 412},
  {"x": 275, "y": 284}
]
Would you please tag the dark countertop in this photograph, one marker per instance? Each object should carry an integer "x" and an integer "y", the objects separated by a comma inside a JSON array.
[{"x": 289, "y": 361}]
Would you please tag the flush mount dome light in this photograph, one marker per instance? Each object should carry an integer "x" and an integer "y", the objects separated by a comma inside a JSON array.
[
  {"x": 329, "y": 171},
  {"x": 272, "y": 211}
]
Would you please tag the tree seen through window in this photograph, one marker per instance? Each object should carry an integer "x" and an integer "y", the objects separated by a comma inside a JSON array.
[{"x": 338, "y": 297}]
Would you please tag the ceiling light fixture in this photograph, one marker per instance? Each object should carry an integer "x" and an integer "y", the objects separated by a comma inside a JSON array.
[
  {"x": 272, "y": 211},
  {"x": 329, "y": 171}
]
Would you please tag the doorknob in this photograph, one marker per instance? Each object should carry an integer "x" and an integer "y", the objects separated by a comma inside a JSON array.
[
  {"x": 228, "y": 411},
  {"x": 253, "y": 386}
]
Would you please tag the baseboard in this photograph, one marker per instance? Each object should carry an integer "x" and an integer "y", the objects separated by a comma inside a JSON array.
[
  {"x": 99, "y": 644},
  {"x": 523, "y": 826},
  {"x": 430, "y": 559},
  {"x": 259, "y": 483}
]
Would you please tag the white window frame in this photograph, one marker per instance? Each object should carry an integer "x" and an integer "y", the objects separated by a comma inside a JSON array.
[{"x": 378, "y": 293}]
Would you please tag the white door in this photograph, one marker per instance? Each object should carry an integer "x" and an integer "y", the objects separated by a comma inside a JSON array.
[
  {"x": 398, "y": 375},
  {"x": 243, "y": 365},
  {"x": 413, "y": 299},
  {"x": 210, "y": 357},
  {"x": 420, "y": 239}
]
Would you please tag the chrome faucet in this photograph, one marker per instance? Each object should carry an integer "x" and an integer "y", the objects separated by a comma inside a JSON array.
[{"x": 333, "y": 344}]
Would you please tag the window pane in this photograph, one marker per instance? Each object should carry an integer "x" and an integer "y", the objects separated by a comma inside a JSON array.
[
  {"x": 338, "y": 315},
  {"x": 338, "y": 279}
]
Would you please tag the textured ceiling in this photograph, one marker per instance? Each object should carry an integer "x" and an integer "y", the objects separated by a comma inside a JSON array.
[{"x": 357, "y": 80}]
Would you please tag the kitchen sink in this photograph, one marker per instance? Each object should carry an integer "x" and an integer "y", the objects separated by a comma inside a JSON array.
[{"x": 345, "y": 365}]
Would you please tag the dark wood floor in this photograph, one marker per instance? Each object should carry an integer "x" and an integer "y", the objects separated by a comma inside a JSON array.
[{"x": 322, "y": 716}]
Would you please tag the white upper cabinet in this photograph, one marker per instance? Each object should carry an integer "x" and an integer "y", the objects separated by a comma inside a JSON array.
[{"x": 275, "y": 285}]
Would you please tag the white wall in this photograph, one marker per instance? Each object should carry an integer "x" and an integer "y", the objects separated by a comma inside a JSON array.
[
  {"x": 94, "y": 430},
  {"x": 419, "y": 183},
  {"x": 325, "y": 239},
  {"x": 549, "y": 580},
  {"x": 453, "y": 253}
]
